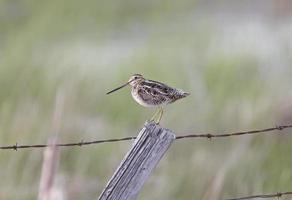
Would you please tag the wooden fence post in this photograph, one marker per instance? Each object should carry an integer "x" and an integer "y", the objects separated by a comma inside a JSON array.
[{"x": 149, "y": 147}]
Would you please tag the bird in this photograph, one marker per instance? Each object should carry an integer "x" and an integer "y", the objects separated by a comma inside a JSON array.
[{"x": 149, "y": 93}]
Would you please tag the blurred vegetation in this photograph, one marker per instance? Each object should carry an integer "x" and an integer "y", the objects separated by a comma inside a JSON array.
[{"x": 59, "y": 58}]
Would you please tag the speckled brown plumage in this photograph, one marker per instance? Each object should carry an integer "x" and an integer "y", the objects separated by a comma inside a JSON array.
[{"x": 154, "y": 93}]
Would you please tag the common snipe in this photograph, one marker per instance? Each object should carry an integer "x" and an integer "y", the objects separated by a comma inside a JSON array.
[{"x": 150, "y": 93}]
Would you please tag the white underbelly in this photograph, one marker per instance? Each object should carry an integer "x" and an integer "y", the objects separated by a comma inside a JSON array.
[{"x": 140, "y": 101}]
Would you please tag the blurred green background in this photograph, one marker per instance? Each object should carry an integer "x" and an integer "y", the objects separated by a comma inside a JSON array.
[{"x": 58, "y": 58}]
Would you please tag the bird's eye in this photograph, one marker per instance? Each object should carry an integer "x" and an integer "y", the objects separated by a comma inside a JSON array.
[{"x": 135, "y": 77}]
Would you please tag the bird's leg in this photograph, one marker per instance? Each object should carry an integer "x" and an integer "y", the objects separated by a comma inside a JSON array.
[
  {"x": 153, "y": 117},
  {"x": 160, "y": 114}
]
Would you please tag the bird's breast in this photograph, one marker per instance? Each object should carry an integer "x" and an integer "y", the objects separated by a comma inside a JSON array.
[{"x": 141, "y": 99}]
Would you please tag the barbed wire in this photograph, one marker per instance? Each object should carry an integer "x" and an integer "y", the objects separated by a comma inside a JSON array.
[
  {"x": 16, "y": 146},
  {"x": 208, "y": 135},
  {"x": 263, "y": 196}
]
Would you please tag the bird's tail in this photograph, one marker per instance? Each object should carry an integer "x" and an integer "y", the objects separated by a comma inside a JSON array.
[
  {"x": 184, "y": 94},
  {"x": 181, "y": 94}
]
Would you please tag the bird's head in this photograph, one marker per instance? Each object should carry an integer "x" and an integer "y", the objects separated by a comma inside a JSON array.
[{"x": 134, "y": 80}]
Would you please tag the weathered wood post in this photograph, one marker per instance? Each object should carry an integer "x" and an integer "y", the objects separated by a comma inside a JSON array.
[{"x": 149, "y": 147}]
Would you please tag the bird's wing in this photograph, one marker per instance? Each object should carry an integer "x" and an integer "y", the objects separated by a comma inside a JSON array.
[
  {"x": 158, "y": 88},
  {"x": 152, "y": 94}
]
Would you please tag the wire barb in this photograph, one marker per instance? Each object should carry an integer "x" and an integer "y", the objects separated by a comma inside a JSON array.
[
  {"x": 81, "y": 143},
  {"x": 15, "y": 147}
]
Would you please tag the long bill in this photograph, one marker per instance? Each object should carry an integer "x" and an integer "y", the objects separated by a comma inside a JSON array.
[{"x": 118, "y": 88}]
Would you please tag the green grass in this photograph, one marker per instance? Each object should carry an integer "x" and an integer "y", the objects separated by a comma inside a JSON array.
[{"x": 74, "y": 52}]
